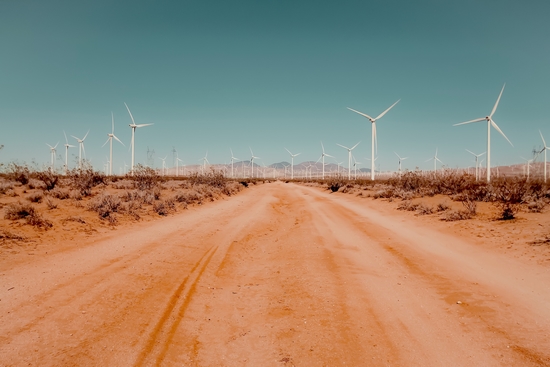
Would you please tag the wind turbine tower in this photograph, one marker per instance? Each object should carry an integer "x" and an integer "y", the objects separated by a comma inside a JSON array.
[
  {"x": 133, "y": 126},
  {"x": 110, "y": 141},
  {"x": 292, "y": 163},
  {"x": 374, "y": 141},
  {"x": 490, "y": 122}
]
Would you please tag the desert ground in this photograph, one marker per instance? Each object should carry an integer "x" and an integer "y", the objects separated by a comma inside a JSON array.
[{"x": 279, "y": 274}]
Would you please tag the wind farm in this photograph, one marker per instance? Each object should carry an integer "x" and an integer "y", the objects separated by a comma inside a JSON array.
[{"x": 212, "y": 230}]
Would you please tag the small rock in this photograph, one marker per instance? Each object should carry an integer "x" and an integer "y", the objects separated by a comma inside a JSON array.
[{"x": 458, "y": 302}]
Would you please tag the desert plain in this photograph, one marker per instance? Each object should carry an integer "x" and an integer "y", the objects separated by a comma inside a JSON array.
[{"x": 274, "y": 274}]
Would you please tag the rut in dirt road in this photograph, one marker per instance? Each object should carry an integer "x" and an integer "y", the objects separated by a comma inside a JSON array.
[{"x": 281, "y": 274}]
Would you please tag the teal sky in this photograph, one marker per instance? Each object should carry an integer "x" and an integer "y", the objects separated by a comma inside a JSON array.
[{"x": 215, "y": 75}]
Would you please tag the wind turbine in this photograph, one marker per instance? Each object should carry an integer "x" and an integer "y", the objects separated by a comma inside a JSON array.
[
  {"x": 81, "y": 148},
  {"x": 490, "y": 122},
  {"x": 252, "y": 157},
  {"x": 204, "y": 161},
  {"x": 110, "y": 140},
  {"x": 67, "y": 146},
  {"x": 400, "y": 159},
  {"x": 374, "y": 140},
  {"x": 233, "y": 158},
  {"x": 528, "y": 164},
  {"x": 349, "y": 158},
  {"x": 477, "y": 156},
  {"x": 323, "y": 157},
  {"x": 292, "y": 163},
  {"x": 52, "y": 153},
  {"x": 177, "y": 166},
  {"x": 435, "y": 159},
  {"x": 544, "y": 148},
  {"x": 134, "y": 127},
  {"x": 163, "y": 164}
]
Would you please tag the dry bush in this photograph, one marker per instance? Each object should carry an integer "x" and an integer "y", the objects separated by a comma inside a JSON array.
[
  {"x": 424, "y": 209},
  {"x": 454, "y": 215},
  {"x": 509, "y": 195},
  {"x": 407, "y": 205},
  {"x": 35, "y": 197},
  {"x": 105, "y": 205},
  {"x": 49, "y": 178},
  {"x": 160, "y": 208},
  {"x": 19, "y": 173},
  {"x": 144, "y": 178},
  {"x": 60, "y": 193},
  {"x": 74, "y": 219},
  {"x": 335, "y": 183},
  {"x": 84, "y": 180},
  {"x": 5, "y": 186},
  {"x": 28, "y": 212},
  {"x": 536, "y": 206},
  {"x": 75, "y": 195},
  {"x": 36, "y": 184},
  {"x": 442, "y": 206},
  {"x": 7, "y": 235},
  {"x": 123, "y": 184},
  {"x": 51, "y": 204}
]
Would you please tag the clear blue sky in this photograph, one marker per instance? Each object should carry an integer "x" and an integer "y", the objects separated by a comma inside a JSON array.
[{"x": 215, "y": 75}]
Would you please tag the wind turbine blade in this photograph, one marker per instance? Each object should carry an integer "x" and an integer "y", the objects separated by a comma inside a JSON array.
[
  {"x": 118, "y": 140},
  {"x": 361, "y": 113},
  {"x": 143, "y": 125},
  {"x": 71, "y": 146},
  {"x": 403, "y": 158},
  {"x": 469, "y": 122},
  {"x": 389, "y": 108},
  {"x": 67, "y": 142},
  {"x": 106, "y": 142},
  {"x": 429, "y": 160},
  {"x": 542, "y": 137},
  {"x": 471, "y": 152},
  {"x": 498, "y": 100},
  {"x": 398, "y": 156},
  {"x": 113, "y": 119},
  {"x": 343, "y": 146},
  {"x": 84, "y": 138},
  {"x": 328, "y": 155},
  {"x": 355, "y": 146},
  {"x": 494, "y": 124},
  {"x": 439, "y": 160},
  {"x": 132, "y": 117},
  {"x": 49, "y": 146},
  {"x": 288, "y": 151},
  {"x": 323, "y": 147},
  {"x": 75, "y": 137}
]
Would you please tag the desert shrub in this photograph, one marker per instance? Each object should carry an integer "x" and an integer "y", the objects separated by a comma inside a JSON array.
[
  {"x": 7, "y": 235},
  {"x": 536, "y": 206},
  {"x": 144, "y": 178},
  {"x": 19, "y": 173},
  {"x": 48, "y": 177},
  {"x": 35, "y": 197},
  {"x": 407, "y": 205},
  {"x": 231, "y": 188},
  {"x": 36, "y": 184},
  {"x": 509, "y": 194},
  {"x": 74, "y": 219},
  {"x": 424, "y": 209},
  {"x": 156, "y": 193},
  {"x": 85, "y": 179},
  {"x": 123, "y": 184},
  {"x": 454, "y": 215},
  {"x": 160, "y": 208},
  {"x": 105, "y": 205},
  {"x": 60, "y": 193},
  {"x": 213, "y": 178},
  {"x": 76, "y": 195},
  {"x": 5, "y": 186},
  {"x": 51, "y": 204},
  {"x": 442, "y": 206},
  {"x": 27, "y": 212},
  {"x": 335, "y": 183}
]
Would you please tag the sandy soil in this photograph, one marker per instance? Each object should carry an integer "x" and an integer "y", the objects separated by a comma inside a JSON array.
[{"x": 283, "y": 274}]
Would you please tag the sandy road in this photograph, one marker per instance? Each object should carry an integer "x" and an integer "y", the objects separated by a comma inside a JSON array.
[{"x": 279, "y": 275}]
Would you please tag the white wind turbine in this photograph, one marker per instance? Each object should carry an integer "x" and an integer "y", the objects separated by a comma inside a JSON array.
[
  {"x": 323, "y": 155},
  {"x": 163, "y": 165},
  {"x": 134, "y": 127},
  {"x": 349, "y": 158},
  {"x": 400, "y": 159},
  {"x": 292, "y": 163},
  {"x": 204, "y": 161},
  {"x": 374, "y": 140},
  {"x": 528, "y": 164},
  {"x": 52, "y": 154},
  {"x": 67, "y": 146},
  {"x": 490, "y": 122},
  {"x": 544, "y": 148},
  {"x": 81, "y": 148},
  {"x": 477, "y": 167},
  {"x": 355, "y": 164},
  {"x": 110, "y": 140},
  {"x": 435, "y": 159},
  {"x": 178, "y": 159},
  {"x": 233, "y": 158},
  {"x": 252, "y": 157}
]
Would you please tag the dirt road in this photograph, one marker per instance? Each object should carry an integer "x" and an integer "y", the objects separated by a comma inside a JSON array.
[{"x": 279, "y": 275}]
